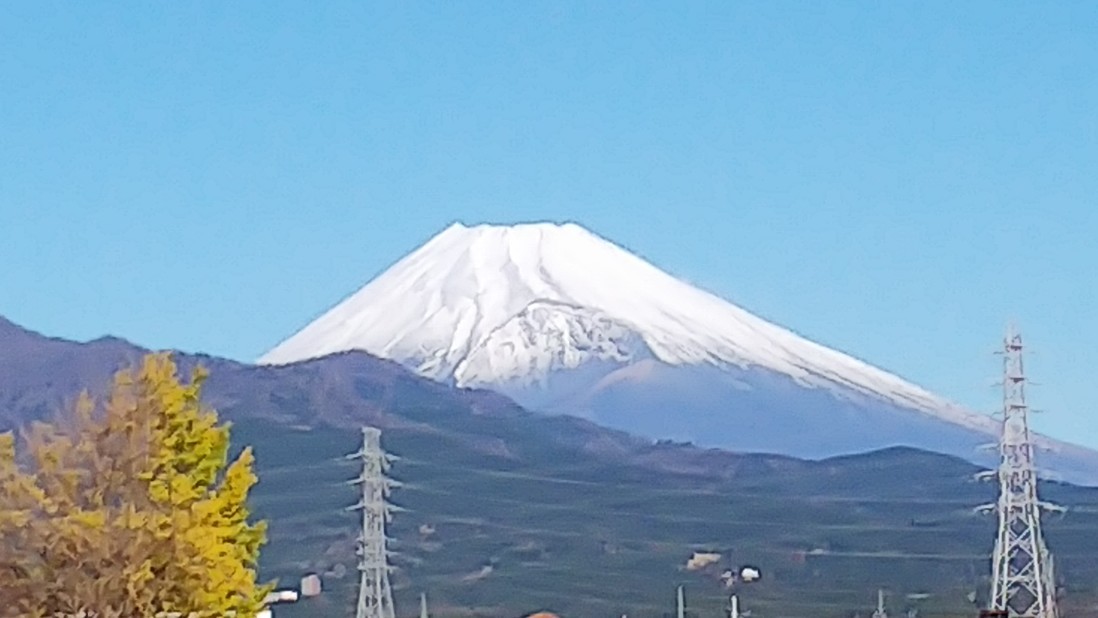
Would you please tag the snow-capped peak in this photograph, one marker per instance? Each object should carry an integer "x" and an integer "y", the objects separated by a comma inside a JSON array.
[{"x": 470, "y": 304}]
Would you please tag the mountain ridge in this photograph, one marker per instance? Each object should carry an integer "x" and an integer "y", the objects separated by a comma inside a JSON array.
[
  {"x": 42, "y": 375},
  {"x": 42, "y": 360},
  {"x": 562, "y": 320}
]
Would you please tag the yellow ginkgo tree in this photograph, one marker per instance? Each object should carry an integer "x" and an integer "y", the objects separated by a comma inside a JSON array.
[{"x": 129, "y": 507}]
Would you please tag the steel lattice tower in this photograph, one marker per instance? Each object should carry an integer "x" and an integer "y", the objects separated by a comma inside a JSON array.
[
  {"x": 1022, "y": 577},
  {"x": 375, "y": 597}
]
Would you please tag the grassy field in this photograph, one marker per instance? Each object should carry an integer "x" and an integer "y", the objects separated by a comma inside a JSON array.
[{"x": 554, "y": 530}]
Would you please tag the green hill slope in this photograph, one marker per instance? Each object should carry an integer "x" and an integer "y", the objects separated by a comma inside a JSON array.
[{"x": 540, "y": 529}]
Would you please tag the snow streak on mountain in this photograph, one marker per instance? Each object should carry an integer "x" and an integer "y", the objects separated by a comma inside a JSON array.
[{"x": 488, "y": 305}]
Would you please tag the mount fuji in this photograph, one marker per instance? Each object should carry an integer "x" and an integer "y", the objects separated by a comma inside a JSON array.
[{"x": 564, "y": 321}]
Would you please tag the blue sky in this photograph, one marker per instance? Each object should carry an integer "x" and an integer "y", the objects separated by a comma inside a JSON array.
[{"x": 897, "y": 180}]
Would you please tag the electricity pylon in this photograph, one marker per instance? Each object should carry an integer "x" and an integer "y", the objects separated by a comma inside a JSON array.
[
  {"x": 1023, "y": 584},
  {"x": 375, "y": 596}
]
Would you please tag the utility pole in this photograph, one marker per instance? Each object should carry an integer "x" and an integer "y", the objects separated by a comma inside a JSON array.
[
  {"x": 880, "y": 613},
  {"x": 680, "y": 606},
  {"x": 375, "y": 597},
  {"x": 423, "y": 605},
  {"x": 1023, "y": 584}
]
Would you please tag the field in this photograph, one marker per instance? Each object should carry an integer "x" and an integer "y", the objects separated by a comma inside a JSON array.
[{"x": 504, "y": 536}]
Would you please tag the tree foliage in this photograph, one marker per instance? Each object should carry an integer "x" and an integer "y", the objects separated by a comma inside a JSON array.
[{"x": 129, "y": 507}]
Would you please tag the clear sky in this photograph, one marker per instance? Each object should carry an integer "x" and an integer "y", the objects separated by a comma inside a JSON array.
[{"x": 894, "y": 179}]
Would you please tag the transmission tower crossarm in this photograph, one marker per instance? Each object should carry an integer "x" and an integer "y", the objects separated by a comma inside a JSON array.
[
  {"x": 986, "y": 475},
  {"x": 1051, "y": 507},
  {"x": 990, "y": 507}
]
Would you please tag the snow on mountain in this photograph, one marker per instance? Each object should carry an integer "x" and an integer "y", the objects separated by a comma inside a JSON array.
[
  {"x": 485, "y": 304},
  {"x": 563, "y": 320},
  {"x": 546, "y": 337}
]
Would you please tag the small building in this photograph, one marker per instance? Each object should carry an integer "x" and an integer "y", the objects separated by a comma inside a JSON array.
[
  {"x": 310, "y": 585},
  {"x": 280, "y": 596}
]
